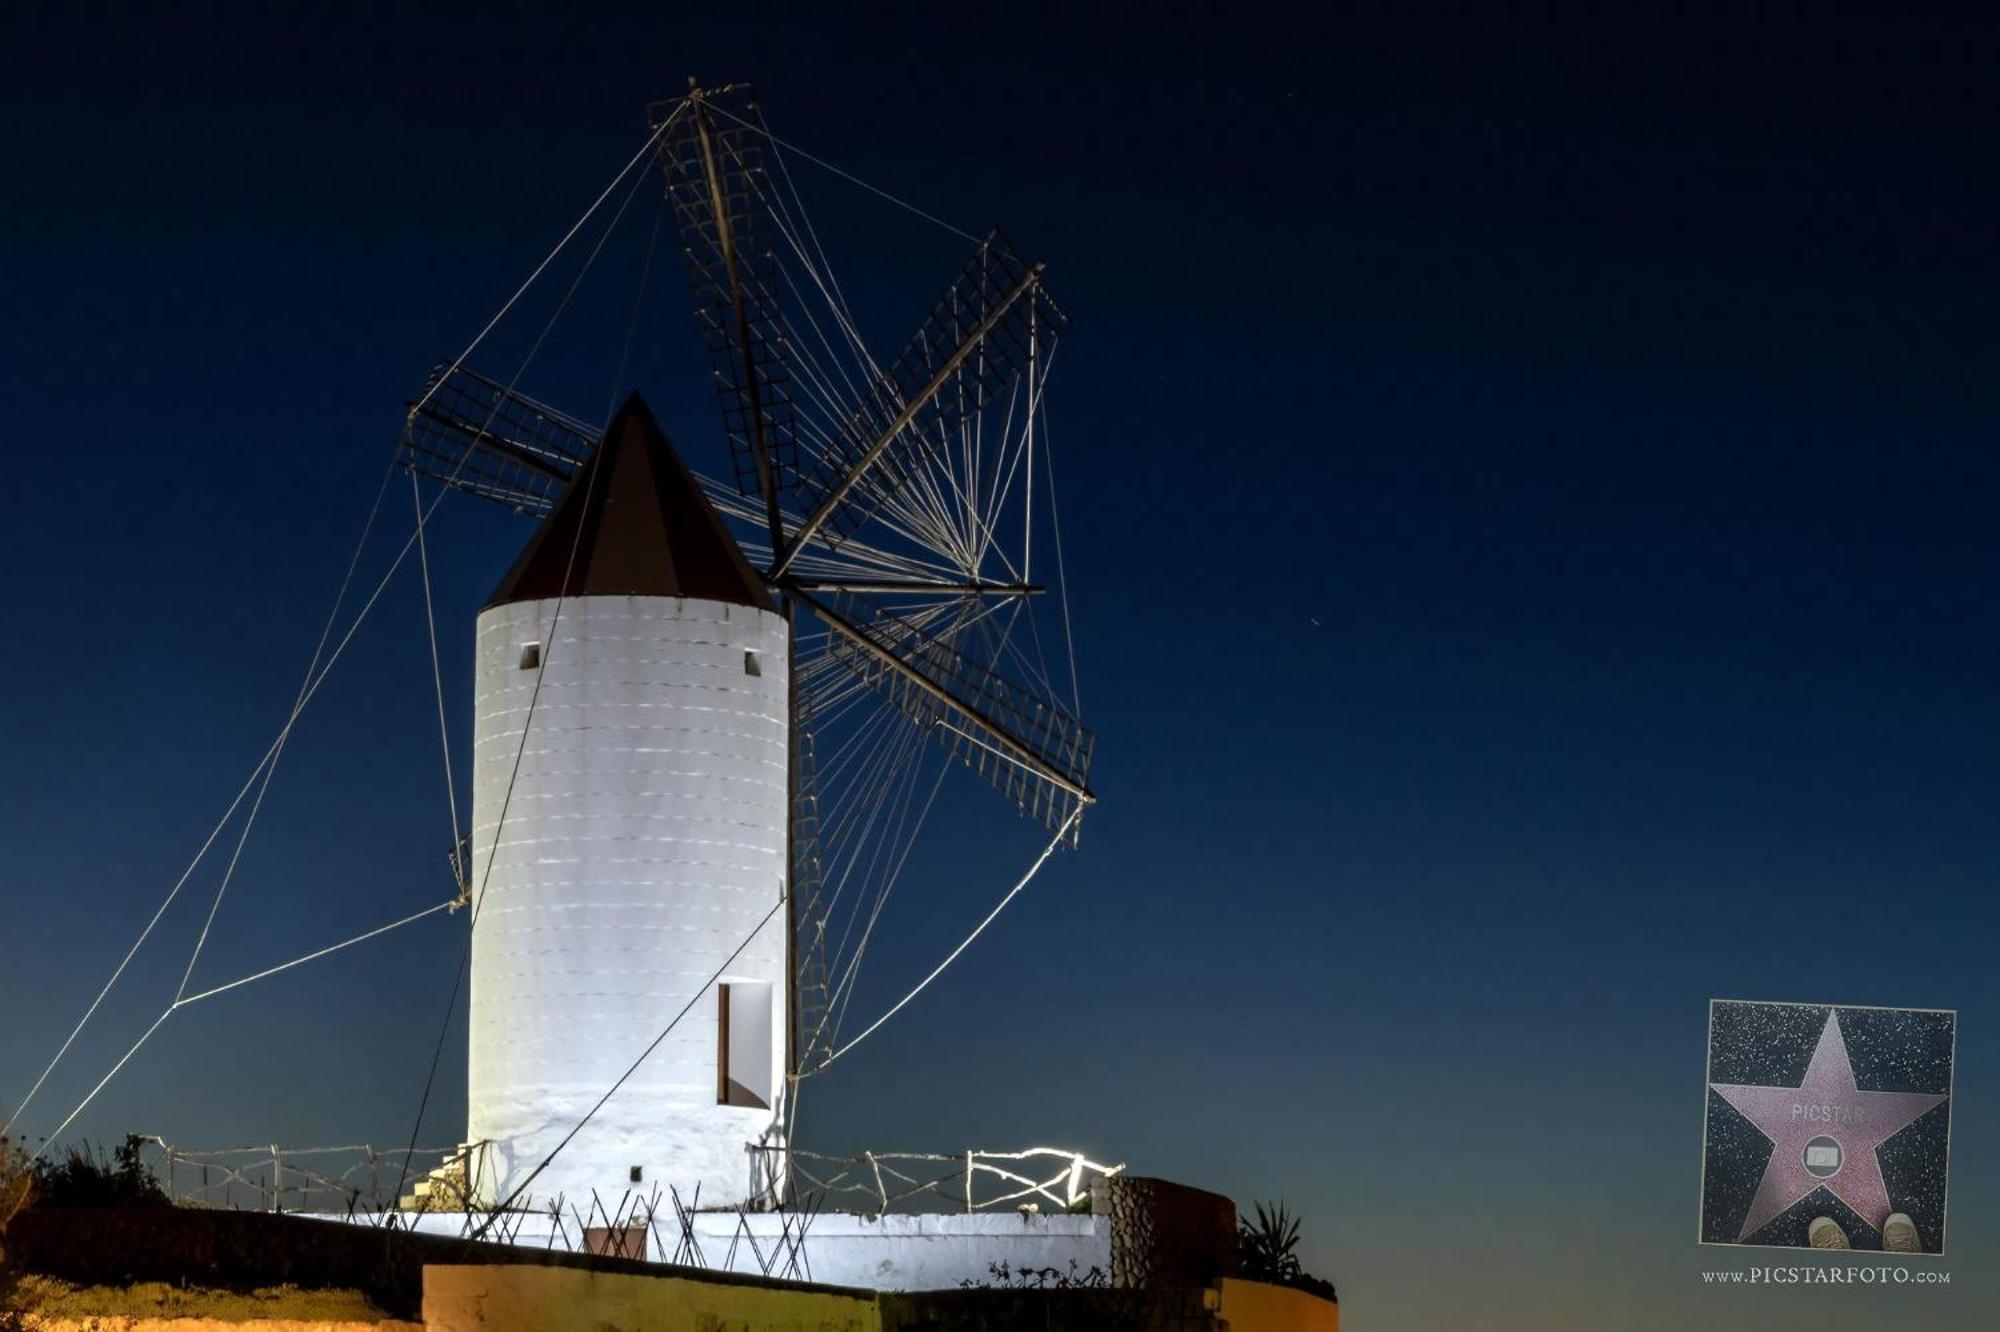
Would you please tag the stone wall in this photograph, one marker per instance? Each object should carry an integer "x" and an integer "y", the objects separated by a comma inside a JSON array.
[{"x": 1165, "y": 1234}]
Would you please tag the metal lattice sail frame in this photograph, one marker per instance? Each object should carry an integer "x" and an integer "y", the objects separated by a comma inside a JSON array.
[{"x": 892, "y": 508}]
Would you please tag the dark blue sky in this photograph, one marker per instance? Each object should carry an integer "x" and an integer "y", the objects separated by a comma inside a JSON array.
[{"x": 1617, "y": 400}]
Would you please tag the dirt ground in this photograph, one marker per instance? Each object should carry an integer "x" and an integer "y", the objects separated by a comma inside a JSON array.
[{"x": 58, "y": 1305}]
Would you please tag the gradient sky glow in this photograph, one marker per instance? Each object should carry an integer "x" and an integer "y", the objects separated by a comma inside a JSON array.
[{"x": 1530, "y": 495}]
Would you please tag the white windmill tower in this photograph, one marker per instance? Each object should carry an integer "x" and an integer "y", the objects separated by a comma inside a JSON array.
[
  {"x": 630, "y": 811},
  {"x": 700, "y": 759}
]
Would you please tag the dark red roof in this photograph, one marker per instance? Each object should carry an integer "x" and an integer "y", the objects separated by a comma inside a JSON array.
[{"x": 638, "y": 525}]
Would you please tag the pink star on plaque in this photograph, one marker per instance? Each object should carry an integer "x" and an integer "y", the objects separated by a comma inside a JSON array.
[{"x": 1824, "y": 1133}]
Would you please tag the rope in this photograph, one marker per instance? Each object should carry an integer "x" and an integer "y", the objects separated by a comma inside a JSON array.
[
  {"x": 284, "y": 736},
  {"x": 979, "y": 929},
  {"x": 437, "y": 679},
  {"x": 361, "y": 615},
  {"x": 316, "y": 955},
  {"x": 888, "y": 884},
  {"x": 535, "y": 697},
  {"x": 184, "y": 1000},
  {"x": 644, "y": 149},
  {"x": 269, "y": 758},
  {"x": 848, "y": 176},
  {"x": 256, "y": 807},
  {"x": 638, "y": 304},
  {"x": 165, "y": 1013},
  {"x": 1062, "y": 573}
]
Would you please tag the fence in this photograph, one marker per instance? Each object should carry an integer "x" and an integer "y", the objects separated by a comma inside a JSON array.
[
  {"x": 361, "y": 1178},
  {"x": 970, "y": 1181},
  {"x": 270, "y": 1178}
]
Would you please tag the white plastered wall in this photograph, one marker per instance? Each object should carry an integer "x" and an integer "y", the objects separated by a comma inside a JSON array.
[
  {"x": 934, "y": 1251},
  {"x": 643, "y": 841}
]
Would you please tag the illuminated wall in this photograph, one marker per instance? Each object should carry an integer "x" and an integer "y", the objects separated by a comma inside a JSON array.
[{"x": 644, "y": 840}]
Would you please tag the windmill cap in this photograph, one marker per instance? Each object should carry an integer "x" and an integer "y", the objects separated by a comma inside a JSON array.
[{"x": 633, "y": 522}]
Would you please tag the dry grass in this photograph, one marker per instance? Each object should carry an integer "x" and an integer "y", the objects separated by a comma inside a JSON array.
[{"x": 154, "y": 1299}]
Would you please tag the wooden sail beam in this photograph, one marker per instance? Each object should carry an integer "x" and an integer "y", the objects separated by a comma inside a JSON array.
[{"x": 760, "y": 444}]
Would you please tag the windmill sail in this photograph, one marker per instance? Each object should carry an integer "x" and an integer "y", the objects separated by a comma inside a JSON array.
[
  {"x": 487, "y": 440},
  {"x": 991, "y": 322},
  {"x": 895, "y": 501},
  {"x": 720, "y": 194},
  {"x": 1022, "y": 743}
]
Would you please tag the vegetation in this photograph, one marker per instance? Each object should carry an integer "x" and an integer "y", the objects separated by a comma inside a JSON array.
[
  {"x": 1047, "y": 1297},
  {"x": 80, "y": 1177},
  {"x": 1006, "y": 1277},
  {"x": 1267, "y": 1250},
  {"x": 17, "y": 1189},
  {"x": 85, "y": 1177}
]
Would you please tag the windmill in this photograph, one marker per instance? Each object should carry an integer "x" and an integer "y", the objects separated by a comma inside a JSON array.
[{"x": 890, "y": 513}]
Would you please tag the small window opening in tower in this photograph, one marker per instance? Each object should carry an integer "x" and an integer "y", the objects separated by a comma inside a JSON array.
[
  {"x": 638, "y": 1174},
  {"x": 531, "y": 656},
  {"x": 743, "y": 1044},
  {"x": 752, "y": 666}
]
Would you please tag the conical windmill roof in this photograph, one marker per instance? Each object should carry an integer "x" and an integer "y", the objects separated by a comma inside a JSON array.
[{"x": 638, "y": 525}]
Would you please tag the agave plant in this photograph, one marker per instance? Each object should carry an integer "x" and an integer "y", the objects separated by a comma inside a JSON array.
[{"x": 1267, "y": 1248}]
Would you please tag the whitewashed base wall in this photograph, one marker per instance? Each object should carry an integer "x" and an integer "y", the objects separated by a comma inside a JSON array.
[{"x": 900, "y": 1252}]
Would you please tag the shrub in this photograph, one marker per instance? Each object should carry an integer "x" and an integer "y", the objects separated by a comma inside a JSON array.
[
  {"x": 84, "y": 1177},
  {"x": 17, "y": 1188},
  {"x": 1267, "y": 1250},
  {"x": 1006, "y": 1277}
]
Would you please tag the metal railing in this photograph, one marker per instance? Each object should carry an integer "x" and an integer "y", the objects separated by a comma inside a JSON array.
[{"x": 972, "y": 1181}]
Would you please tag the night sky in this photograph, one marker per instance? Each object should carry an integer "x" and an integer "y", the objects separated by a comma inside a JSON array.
[{"x": 1528, "y": 489}]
